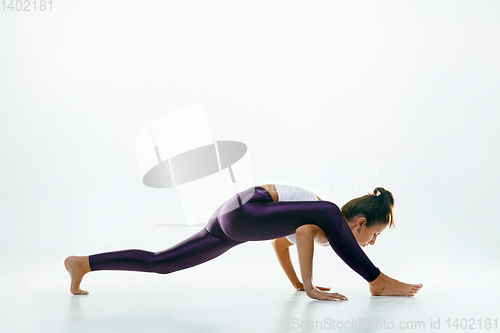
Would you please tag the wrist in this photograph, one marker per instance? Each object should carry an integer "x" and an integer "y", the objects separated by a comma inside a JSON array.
[{"x": 308, "y": 286}]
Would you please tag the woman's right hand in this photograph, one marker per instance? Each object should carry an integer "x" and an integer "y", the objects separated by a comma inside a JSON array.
[{"x": 315, "y": 293}]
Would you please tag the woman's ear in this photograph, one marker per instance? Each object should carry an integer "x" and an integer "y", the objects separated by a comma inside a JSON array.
[{"x": 361, "y": 222}]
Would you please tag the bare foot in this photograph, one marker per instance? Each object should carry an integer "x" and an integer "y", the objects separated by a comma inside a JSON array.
[
  {"x": 77, "y": 267},
  {"x": 386, "y": 286}
]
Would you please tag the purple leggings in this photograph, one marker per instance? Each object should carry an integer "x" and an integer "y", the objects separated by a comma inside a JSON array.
[{"x": 235, "y": 223}]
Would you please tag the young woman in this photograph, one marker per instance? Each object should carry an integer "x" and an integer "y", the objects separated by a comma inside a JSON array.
[{"x": 272, "y": 212}]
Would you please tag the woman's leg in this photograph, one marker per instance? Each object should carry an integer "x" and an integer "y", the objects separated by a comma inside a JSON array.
[
  {"x": 199, "y": 248},
  {"x": 264, "y": 219}
]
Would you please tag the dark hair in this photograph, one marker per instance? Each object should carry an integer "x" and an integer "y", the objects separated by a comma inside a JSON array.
[{"x": 376, "y": 208}]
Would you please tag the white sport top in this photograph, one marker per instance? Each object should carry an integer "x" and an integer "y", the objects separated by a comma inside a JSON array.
[{"x": 294, "y": 193}]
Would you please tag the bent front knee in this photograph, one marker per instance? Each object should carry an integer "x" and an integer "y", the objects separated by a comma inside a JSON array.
[{"x": 333, "y": 210}]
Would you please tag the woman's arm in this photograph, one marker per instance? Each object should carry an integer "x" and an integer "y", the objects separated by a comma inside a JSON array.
[
  {"x": 305, "y": 247},
  {"x": 280, "y": 246},
  {"x": 305, "y": 250}
]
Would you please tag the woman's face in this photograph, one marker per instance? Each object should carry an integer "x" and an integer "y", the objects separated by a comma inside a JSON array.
[{"x": 366, "y": 235}]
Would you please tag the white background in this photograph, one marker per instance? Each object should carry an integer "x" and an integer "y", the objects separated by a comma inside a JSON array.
[{"x": 336, "y": 96}]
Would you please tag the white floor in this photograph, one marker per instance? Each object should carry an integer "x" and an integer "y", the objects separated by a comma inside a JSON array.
[{"x": 224, "y": 296}]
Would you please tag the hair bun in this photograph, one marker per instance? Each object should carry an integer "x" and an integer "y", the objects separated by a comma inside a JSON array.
[
  {"x": 376, "y": 208},
  {"x": 385, "y": 195}
]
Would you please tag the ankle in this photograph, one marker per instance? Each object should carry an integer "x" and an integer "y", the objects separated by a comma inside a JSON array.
[
  {"x": 85, "y": 264},
  {"x": 381, "y": 280}
]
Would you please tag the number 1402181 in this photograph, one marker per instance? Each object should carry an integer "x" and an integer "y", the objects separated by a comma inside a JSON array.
[
  {"x": 472, "y": 323},
  {"x": 26, "y": 5}
]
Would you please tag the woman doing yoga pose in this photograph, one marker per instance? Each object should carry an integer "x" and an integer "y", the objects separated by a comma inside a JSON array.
[{"x": 272, "y": 212}]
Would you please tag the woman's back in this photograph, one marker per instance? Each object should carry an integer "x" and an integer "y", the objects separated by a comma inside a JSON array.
[{"x": 294, "y": 193}]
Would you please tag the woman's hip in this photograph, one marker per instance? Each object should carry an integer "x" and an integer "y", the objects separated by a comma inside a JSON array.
[{"x": 237, "y": 208}]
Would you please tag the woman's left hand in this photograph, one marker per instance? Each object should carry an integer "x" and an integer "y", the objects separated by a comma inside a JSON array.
[{"x": 300, "y": 287}]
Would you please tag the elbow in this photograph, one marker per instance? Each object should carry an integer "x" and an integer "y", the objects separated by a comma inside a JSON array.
[
  {"x": 277, "y": 244},
  {"x": 274, "y": 243},
  {"x": 281, "y": 244}
]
